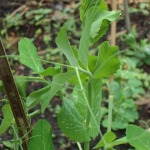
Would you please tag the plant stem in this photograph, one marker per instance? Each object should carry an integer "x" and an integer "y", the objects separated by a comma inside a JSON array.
[
  {"x": 15, "y": 137},
  {"x": 79, "y": 146},
  {"x": 110, "y": 113},
  {"x": 85, "y": 71},
  {"x": 33, "y": 114},
  {"x": 88, "y": 106},
  {"x": 86, "y": 145}
]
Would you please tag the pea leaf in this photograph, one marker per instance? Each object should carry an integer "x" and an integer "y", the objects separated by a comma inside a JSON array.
[
  {"x": 35, "y": 97},
  {"x": 85, "y": 38},
  {"x": 101, "y": 19},
  {"x": 28, "y": 55},
  {"x": 21, "y": 82},
  {"x": 63, "y": 44},
  {"x": 109, "y": 137},
  {"x": 101, "y": 24},
  {"x": 107, "y": 62},
  {"x": 138, "y": 137},
  {"x": 41, "y": 136},
  {"x": 50, "y": 71},
  {"x": 56, "y": 85},
  {"x": 86, "y": 4},
  {"x": 8, "y": 118},
  {"x": 134, "y": 82},
  {"x": 73, "y": 115}
]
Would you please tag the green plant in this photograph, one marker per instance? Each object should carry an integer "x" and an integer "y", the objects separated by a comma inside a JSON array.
[
  {"x": 143, "y": 9},
  {"x": 124, "y": 107},
  {"x": 80, "y": 115},
  {"x": 138, "y": 51}
]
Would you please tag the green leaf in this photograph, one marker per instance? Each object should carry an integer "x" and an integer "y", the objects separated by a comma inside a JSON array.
[
  {"x": 103, "y": 29},
  {"x": 35, "y": 97},
  {"x": 138, "y": 91},
  {"x": 138, "y": 137},
  {"x": 87, "y": 4},
  {"x": 41, "y": 136},
  {"x": 73, "y": 115},
  {"x": 95, "y": 21},
  {"x": 21, "y": 82},
  {"x": 134, "y": 82},
  {"x": 50, "y": 71},
  {"x": 101, "y": 24},
  {"x": 108, "y": 137},
  {"x": 57, "y": 83},
  {"x": 101, "y": 19},
  {"x": 92, "y": 61},
  {"x": 8, "y": 118},
  {"x": 120, "y": 141},
  {"x": 63, "y": 44},
  {"x": 115, "y": 89},
  {"x": 85, "y": 38},
  {"x": 9, "y": 144},
  {"x": 126, "y": 74},
  {"x": 1, "y": 84},
  {"x": 107, "y": 62},
  {"x": 28, "y": 55}
]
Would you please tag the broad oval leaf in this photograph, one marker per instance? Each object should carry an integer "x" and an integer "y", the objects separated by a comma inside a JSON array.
[
  {"x": 28, "y": 55},
  {"x": 41, "y": 137},
  {"x": 72, "y": 118}
]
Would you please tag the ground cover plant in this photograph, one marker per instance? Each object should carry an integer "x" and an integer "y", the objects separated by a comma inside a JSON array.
[{"x": 81, "y": 113}]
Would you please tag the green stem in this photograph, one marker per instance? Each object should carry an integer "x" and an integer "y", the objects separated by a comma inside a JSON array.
[
  {"x": 16, "y": 145},
  {"x": 38, "y": 79},
  {"x": 88, "y": 106},
  {"x": 110, "y": 113},
  {"x": 85, "y": 71},
  {"x": 33, "y": 114},
  {"x": 86, "y": 145},
  {"x": 79, "y": 146}
]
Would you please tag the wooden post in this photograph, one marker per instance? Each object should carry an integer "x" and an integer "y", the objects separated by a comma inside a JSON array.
[
  {"x": 126, "y": 13},
  {"x": 14, "y": 98},
  {"x": 113, "y": 25}
]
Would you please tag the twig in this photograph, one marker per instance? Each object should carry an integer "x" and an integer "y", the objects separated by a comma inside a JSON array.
[{"x": 20, "y": 9}]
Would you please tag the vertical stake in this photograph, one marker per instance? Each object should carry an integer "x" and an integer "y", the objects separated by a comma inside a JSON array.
[
  {"x": 127, "y": 17},
  {"x": 14, "y": 98},
  {"x": 113, "y": 25}
]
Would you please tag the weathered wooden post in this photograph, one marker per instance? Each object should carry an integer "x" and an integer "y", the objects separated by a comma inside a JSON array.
[{"x": 14, "y": 98}]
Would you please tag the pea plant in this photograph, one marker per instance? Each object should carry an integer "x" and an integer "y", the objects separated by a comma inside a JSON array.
[{"x": 80, "y": 115}]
